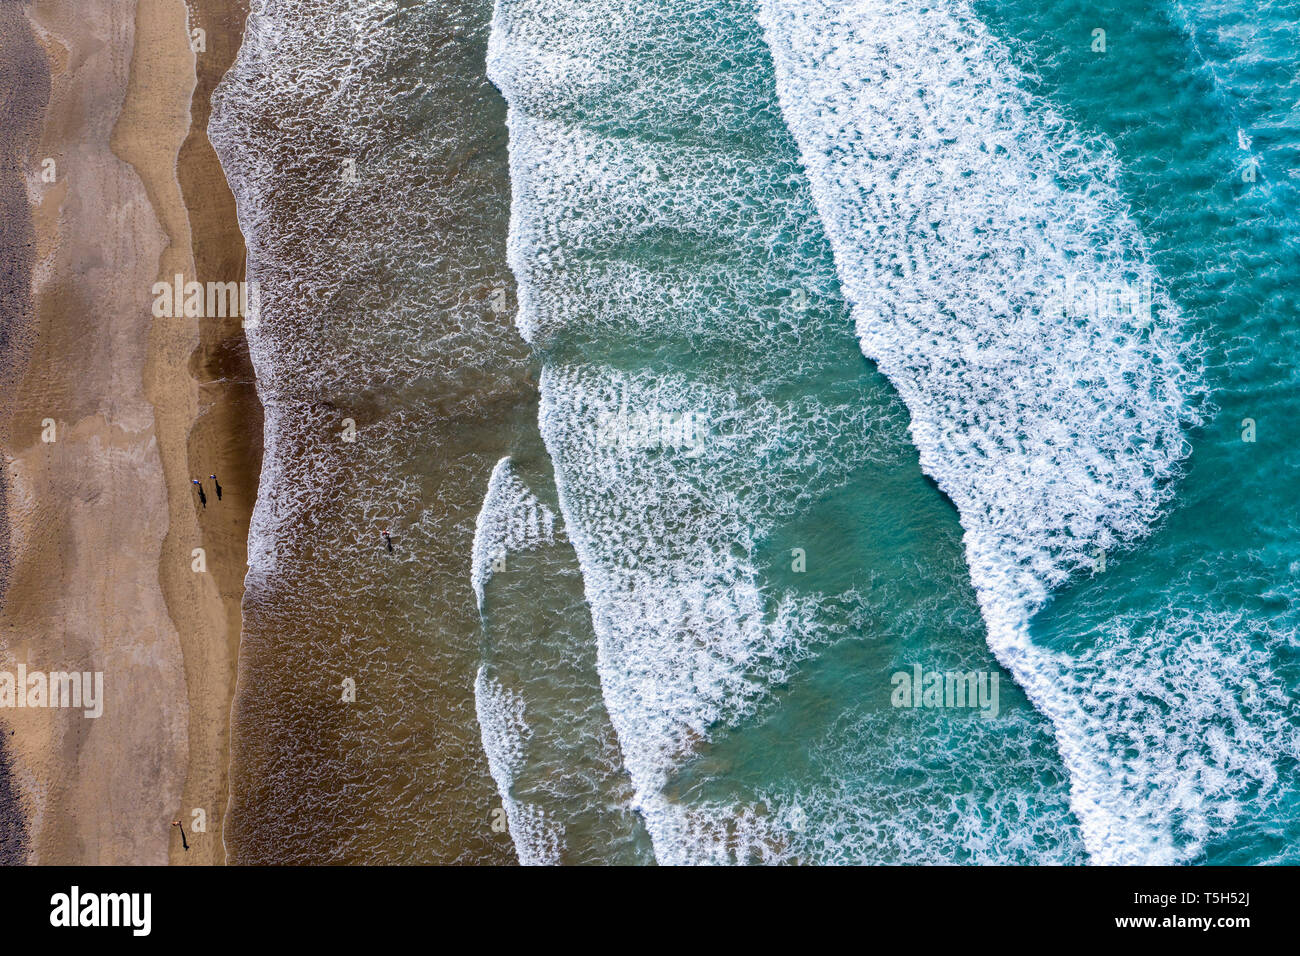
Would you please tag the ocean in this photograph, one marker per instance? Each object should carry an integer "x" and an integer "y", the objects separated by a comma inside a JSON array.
[{"x": 722, "y": 370}]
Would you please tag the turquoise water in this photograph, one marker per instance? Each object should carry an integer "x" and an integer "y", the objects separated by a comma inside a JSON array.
[
  {"x": 1207, "y": 93},
  {"x": 823, "y": 398}
]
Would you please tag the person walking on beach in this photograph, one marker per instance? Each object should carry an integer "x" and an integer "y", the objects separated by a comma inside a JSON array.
[
  {"x": 387, "y": 540},
  {"x": 203, "y": 499},
  {"x": 184, "y": 844},
  {"x": 218, "y": 484}
]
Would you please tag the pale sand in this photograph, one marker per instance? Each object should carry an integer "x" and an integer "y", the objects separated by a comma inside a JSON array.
[
  {"x": 24, "y": 90},
  {"x": 103, "y": 520}
]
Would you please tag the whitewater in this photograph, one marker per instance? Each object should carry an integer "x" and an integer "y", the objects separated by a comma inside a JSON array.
[{"x": 993, "y": 272}]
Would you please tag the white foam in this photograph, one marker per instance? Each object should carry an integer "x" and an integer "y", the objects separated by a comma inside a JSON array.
[
  {"x": 954, "y": 203},
  {"x": 688, "y": 642},
  {"x": 930, "y": 789},
  {"x": 956, "y": 206},
  {"x": 363, "y": 302},
  {"x": 559, "y": 771},
  {"x": 511, "y": 520},
  {"x": 369, "y": 231},
  {"x": 538, "y": 838}
]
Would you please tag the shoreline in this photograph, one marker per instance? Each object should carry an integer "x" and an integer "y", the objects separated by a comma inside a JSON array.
[
  {"x": 104, "y": 520},
  {"x": 225, "y": 437}
]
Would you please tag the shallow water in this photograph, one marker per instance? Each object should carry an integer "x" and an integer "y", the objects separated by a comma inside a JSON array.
[{"x": 378, "y": 308}]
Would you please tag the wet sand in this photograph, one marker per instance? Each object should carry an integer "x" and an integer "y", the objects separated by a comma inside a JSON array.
[{"x": 225, "y": 438}]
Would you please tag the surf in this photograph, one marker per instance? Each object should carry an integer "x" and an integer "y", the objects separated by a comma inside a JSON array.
[
  {"x": 670, "y": 262},
  {"x": 958, "y": 206}
]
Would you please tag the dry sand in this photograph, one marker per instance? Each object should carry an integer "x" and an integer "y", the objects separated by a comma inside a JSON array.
[
  {"x": 24, "y": 91},
  {"x": 103, "y": 519}
]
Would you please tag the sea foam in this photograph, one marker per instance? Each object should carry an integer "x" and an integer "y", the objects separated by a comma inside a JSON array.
[
  {"x": 551, "y": 749},
  {"x": 665, "y": 532},
  {"x": 631, "y": 159},
  {"x": 511, "y": 520},
  {"x": 538, "y": 839},
  {"x": 959, "y": 207}
]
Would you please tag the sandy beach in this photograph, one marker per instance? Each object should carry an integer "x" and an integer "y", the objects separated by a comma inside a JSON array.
[
  {"x": 112, "y": 416},
  {"x": 25, "y": 81}
]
